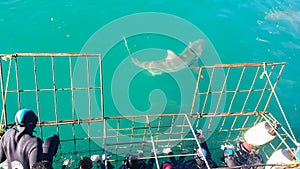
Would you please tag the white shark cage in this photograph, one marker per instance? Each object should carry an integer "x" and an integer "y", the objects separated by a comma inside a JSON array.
[{"x": 228, "y": 100}]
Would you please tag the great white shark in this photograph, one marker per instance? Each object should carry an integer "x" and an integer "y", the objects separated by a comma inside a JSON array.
[{"x": 173, "y": 62}]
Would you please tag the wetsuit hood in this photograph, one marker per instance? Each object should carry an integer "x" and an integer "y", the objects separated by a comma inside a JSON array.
[{"x": 26, "y": 122}]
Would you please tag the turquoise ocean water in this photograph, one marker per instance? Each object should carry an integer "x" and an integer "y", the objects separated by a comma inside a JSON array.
[{"x": 240, "y": 31}]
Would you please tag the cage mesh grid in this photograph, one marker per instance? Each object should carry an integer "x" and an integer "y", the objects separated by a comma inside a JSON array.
[{"x": 228, "y": 100}]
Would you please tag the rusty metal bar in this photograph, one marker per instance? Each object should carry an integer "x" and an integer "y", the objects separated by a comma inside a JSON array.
[
  {"x": 132, "y": 132},
  {"x": 57, "y": 89},
  {"x": 101, "y": 88},
  {"x": 94, "y": 120},
  {"x": 197, "y": 141},
  {"x": 118, "y": 134},
  {"x": 17, "y": 83},
  {"x": 73, "y": 101},
  {"x": 208, "y": 89},
  {"x": 271, "y": 94},
  {"x": 152, "y": 141},
  {"x": 244, "y": 65},
  {"x": 55, "y": 94},
  {"x": 154, "y": 127},
  {"x": 89, "y": 100},
  {"x": 233, "y": 91},
  {"x": 37, "y": 94},
  {"x": 171, "y": 130},
  {"x": 149, "y": 141},
  {"x": 49, "y": 54},
  {"x": 104, "y": 142},
  {"x": 263, "y": 92},
  {"x": 196, "y": 91},
  {"x": 3, "y": 114},
  {"x": 182, "y": 129}
]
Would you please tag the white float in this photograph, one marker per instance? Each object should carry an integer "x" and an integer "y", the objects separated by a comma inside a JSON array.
[
  {"x": 260, "y": 134},
  {"x": 281, "y": 157}
]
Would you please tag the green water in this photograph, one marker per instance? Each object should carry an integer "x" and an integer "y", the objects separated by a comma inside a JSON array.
[{"x": 240, "y": 31}]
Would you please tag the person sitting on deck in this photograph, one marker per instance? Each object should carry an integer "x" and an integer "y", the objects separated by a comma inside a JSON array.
[
  {"x": 20, "y": 147},
  {"x": 200, "y": 156}
]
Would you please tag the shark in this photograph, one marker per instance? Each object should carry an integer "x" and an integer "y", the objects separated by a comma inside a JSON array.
[{"x": 188, "y": 58}]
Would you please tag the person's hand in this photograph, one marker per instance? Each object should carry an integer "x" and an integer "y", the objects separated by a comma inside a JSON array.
[
  {"x": 199, "y": 133},
  {"x": 68, "y": 162},
  {"x": 156, "y": 152},
  {"x": 95, "y": 158},
  {"x": 167, "y": 150}
]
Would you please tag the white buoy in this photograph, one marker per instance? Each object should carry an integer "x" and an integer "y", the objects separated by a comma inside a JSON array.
[
  {"x": 260, "y": 134},
  {"x": 281, "y": 157}
]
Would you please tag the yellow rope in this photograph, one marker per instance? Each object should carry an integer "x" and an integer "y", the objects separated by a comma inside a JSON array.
[
  {"x": 280, "y": 107},
  {"x": 7, "y": 82}
]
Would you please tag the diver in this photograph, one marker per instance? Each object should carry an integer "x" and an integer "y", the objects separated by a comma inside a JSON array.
[{"x": 21, "y": 148}]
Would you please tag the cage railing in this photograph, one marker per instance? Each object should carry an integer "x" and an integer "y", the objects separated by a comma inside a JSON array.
[{"x": 228, "y": 100}]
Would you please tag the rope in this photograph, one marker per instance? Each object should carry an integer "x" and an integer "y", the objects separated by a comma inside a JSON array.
[
  {"x": 277, "y": 100},
  {"x": 126, "y": 45},
  {"x": 7, "y": 82}
]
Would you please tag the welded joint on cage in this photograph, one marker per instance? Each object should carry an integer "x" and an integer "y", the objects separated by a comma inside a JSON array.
[
  {"x": 260, "y": 113},
  {"x": 9, "y": 56}
]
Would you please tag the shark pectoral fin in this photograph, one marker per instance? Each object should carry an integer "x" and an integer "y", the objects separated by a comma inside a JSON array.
[
  {"x": 171, "y": 55},
  {"x": 195, "y": 67}
]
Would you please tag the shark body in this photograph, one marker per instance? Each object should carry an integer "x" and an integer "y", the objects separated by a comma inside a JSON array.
[{"x": 173, "y": 63}]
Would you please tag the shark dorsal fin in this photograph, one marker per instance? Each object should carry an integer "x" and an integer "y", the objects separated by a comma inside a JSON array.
[{"x": 171, "y": 55}]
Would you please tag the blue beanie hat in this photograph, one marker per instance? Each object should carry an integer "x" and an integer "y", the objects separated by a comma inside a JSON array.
[{"x": 25, "y": 117}]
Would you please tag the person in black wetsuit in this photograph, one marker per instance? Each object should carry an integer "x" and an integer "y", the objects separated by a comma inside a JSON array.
[
  {"x": 85, "y": 163},
  {"x": 243, "y": 156},
  {"x": 21, "y": 149},
  {"x": 198, "y": 161},
  {"x": 175, "y": 164},
  {"x": 132, "y": 162}
]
